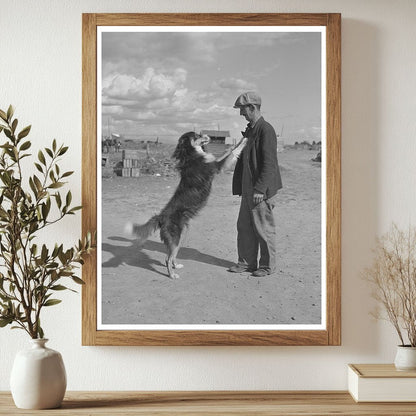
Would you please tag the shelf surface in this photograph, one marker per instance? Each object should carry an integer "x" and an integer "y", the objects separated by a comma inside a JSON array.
[{"x": 266, "y": 403}]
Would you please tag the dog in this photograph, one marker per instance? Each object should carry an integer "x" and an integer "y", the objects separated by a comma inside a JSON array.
[{"x": 197, "y": 169}]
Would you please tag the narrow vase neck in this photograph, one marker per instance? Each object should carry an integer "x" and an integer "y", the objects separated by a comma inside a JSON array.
[{"x": 38, "y": 343}]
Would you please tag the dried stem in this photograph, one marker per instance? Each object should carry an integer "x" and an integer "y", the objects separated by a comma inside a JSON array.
[{"x": 393, "y": 276}]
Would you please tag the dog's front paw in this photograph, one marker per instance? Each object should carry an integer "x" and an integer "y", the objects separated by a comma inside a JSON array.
[
  {"x": 177, "y": 266},
  {"x": 174, "y": 276},
  {"x": 240, "y": 147},
  {"x": 242, "y": 144}
]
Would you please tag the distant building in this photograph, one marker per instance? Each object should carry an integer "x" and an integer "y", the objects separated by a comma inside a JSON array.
[
  {"x": 218, "y": 143},
  {"x": 217, "y": 136}
]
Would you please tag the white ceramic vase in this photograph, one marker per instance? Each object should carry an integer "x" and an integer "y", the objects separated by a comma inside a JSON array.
[
  {"x": 405, "y": 358},
  {"x": 38, "y": 377}
]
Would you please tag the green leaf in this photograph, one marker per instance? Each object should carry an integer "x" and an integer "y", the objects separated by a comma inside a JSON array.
[
  {"x": 57, "y": 250},
  {"x": 62, "y": 257},
  {"x": 33, "y": 187},
  {"x": 10, "y": 112},
  {"x": 24, "y": 132},
  {"x": 41, "y": 157},
  {"x": 44, "y": 253},
  {"x": 51, "y": 302},
  {"x": 40, "y": 332},
  {"x": 49, "y": 152},
  {"x": 8, "y": 133},
  {"x": 56, "y": 185},
  {"x": 45, "y": 210},
  {"x": 59, "y": 287},
  {"x": 63, "y": 151},
  {"x": 39, "y": 167},
  {"x": 37, "y": 182},
  {"x": 77, "y": 208},
  {"x": 5, "y": 298},
  {"x": 58, "y": 199},
  {"x": 68, "y": 199},
  {"x": 3, "y": 115},
  {"x": 76, "y": 279},
  {"x": 67, "y": 174},
  {"x": 54, "y": 145},
  {"x": 25, "y": 145},
  {"x": 14, "y": 125},
  {"x": 5, "y": 321}
]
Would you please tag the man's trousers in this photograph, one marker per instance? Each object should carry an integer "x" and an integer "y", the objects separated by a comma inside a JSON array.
[{"x": 256, "y": 231}]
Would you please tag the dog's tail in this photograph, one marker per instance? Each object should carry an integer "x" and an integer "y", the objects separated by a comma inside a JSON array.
[{"x": 143, "y": 231}]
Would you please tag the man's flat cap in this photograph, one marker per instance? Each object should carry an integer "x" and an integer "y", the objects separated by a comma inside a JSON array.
[{"x": 250, "y": 97}]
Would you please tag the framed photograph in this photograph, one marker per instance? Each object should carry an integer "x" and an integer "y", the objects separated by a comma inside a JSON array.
[{"x": 153, "y": 83}]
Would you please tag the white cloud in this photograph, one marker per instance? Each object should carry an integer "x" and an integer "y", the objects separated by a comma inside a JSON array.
[
  {"x": 151, "y": 85},
  {"x": 307, "y": 133},
  {"x": 113, "y": 109},
  {"x": 236, "y": 84},
  {"x": 158, "y": 103},
  {"x": 212, "y": 113},
  {"x": 131, "y": 52}
]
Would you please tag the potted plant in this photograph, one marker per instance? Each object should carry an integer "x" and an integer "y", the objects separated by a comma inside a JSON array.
[
  {"x": 393, "y": 277},
  {"x": 31, "y": 272}
]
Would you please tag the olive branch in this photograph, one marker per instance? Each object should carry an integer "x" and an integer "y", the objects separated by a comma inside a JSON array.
[{"x": 30, "y": 272}]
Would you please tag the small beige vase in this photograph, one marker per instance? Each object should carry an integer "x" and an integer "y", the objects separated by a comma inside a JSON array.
[
  {"x": 38, "y": 377},
  {"x": 405, "y": 358}
]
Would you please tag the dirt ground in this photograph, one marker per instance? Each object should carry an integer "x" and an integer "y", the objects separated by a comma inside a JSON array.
[{"x": 137, "y": 290}]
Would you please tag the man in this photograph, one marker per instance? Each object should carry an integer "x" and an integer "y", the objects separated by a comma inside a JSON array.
[{"x": 256, "y": 179}]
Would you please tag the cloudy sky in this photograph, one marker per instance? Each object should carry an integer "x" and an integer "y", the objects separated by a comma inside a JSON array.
[{"x": 157, "y": 84}]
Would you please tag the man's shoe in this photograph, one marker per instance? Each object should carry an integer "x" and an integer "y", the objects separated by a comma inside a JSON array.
[
  {"x": 261, "y": 273},
  {"x": 238, "y": 268}
]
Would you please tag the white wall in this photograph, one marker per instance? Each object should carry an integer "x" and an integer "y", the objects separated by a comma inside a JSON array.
[{"x": 40, "y": 73}]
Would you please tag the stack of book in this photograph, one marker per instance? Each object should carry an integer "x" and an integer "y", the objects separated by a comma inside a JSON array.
[{"x": 381, "y": 383}]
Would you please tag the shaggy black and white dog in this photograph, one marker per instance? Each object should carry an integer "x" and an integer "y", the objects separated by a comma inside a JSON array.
[{"x": 197, "y": 170}]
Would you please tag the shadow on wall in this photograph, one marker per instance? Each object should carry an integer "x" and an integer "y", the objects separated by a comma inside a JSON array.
[{"x": 360, "y": 179}]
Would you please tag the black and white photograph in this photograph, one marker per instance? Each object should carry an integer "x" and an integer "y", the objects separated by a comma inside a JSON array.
[{"x": 211, "y": 177}]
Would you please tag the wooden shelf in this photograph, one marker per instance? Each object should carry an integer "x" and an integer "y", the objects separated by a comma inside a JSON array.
[{"x": 318, "y": 403}]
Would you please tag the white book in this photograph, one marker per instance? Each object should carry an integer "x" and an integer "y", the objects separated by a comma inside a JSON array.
[{"x": 381, "y": 383}]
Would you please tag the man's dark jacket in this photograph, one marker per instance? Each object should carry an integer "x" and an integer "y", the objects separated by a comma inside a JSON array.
[{"x": 264, "y": 168}]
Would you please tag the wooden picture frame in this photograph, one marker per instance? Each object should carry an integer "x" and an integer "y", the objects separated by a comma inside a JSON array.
[{"x": 330, "y": 334}]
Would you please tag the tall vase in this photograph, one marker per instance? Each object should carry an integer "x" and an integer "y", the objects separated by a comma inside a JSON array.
[
  {"x": 405, "y": 358},
  {"x": 38, "y": 377}
]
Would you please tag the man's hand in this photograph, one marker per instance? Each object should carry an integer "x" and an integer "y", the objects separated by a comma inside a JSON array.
[{"x": 257, "y": 198}]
